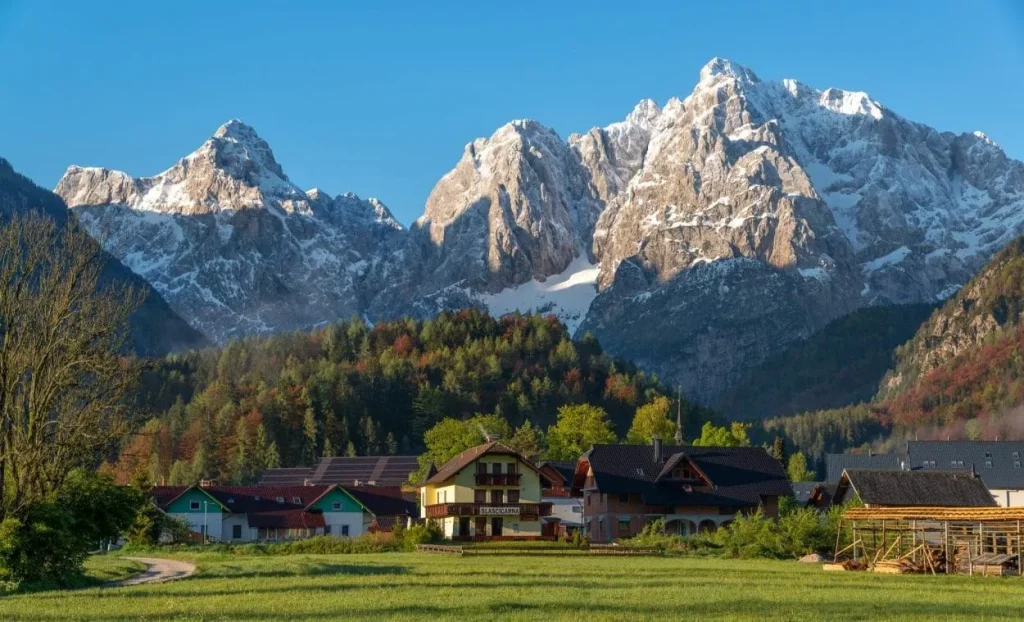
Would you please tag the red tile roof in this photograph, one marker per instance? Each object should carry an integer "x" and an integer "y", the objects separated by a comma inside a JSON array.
[{"x": 286, "y": 519}]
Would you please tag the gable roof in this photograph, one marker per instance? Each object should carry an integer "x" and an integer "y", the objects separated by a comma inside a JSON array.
[
  {"x": 384, "y": 501},
  {"x": 835, "y": 464},
  {"x": 914, "y": 488},
  {"x": 471, "y": 455},
  {"x": 564, "y": 468},
  {"x": 170, "y": 494},
  {"x": 737, "y": 476},
  {"x": 346, "y": 471},
  {"x": 999, "y": 463}
]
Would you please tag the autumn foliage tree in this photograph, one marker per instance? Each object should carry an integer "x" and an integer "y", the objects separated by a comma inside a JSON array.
[{"x": 63, "y": 378}]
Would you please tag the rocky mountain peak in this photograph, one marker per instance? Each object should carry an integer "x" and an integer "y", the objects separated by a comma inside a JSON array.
[{"x": 721, "y": 67}]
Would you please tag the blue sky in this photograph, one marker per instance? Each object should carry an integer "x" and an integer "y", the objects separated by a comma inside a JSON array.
[{"x": 380, "y": 100}]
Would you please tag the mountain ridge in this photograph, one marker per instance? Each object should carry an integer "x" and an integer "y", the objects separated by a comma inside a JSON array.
[{"x": 699, "y": 238}]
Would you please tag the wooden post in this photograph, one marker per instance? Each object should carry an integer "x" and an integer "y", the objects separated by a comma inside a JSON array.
[
  {"x": 883, "y": 533},
  {"x": 839, "y": 533},
  {"x": 945, "y": 544},
  {"x": 854, "y": 540}
]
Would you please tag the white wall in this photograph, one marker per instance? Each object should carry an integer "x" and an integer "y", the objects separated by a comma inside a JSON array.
[
  {"x": 196, "y": 520},
  {"x": 248, "y": 535},
  {"x": 1008, "y": 498},
  {"x": 562, "y": 508},
  {"x": 336, "y": 520}
]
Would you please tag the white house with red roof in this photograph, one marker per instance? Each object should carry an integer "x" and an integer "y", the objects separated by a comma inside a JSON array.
[{"x": 270, "y": 513}]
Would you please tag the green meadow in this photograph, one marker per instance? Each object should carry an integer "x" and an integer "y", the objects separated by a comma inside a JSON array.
[{"x": 416, "y": 586}]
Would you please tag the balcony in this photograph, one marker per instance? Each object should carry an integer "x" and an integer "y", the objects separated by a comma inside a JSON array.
[
  {"x": 527, "y": 511},
  {"x": 498, "y": 479}
]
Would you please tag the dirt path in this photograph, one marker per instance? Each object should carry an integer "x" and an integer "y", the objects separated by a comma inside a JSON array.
[{"x": 157, "y": 571}]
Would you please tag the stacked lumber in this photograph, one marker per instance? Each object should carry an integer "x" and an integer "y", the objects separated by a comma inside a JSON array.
[{"x": 844, "y": 566}]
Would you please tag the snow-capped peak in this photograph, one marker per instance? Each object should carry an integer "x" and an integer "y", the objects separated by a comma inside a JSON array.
[
  {"x": 723, "y": 67},
  {"x": 644, "y": 113},
  {"x": 850, "y": 102}
]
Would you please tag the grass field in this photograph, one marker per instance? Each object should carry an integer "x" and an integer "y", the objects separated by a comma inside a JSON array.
[{"x": 418, "y": 586}]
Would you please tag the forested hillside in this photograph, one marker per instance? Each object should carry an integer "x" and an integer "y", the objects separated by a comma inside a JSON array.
[
  {"x": 350, "y": 388},
  {"x": 841, "y": 365},
  {"x": 960, "y": 376}
]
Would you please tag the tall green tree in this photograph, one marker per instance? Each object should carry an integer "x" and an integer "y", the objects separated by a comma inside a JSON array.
[
  {"x": 528, "y": 441},
  {"x": 797, "y": 468},
  {"x": 579, "y": 427},
  {"x": 652, "y": 419},
  {"x": 714, "y": 436}
]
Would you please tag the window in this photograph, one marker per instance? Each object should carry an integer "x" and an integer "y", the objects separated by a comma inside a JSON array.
[
  {"x": 236, "y": 532},
  {"x": 588, "y": 499},
  {"x": 640, "y": 472},
  {"x": 344, "y": 530},
  {"x": 952, "y": 463},
  {"x": 231, "y": 499},
  {"x": 1016, "y": 464},
  {"x": 988, "y": 454},
  {"x": 497, "y": 496},
  {"x": 481, "y": 467},
  {"x": 297, "y": 500},
  {"x": 479, "y": 496},
  {"x": 327, "y": 530},
  {"x": 988, "y": 464},
  {"x": 624, "y": 498},
  {"x": 496, "y": 468},
  {"x": 280, "y": 499},
  {"x": 577, "y": 509},
  {"x": 511, "y": 468},
  {"x": 623, "y": 525},
  {"x": 336, "y": 506},
  {"x": 513, "y": 496},
  {"x": 193, "y": 505},
  {"x": 1016, "y": 455}
]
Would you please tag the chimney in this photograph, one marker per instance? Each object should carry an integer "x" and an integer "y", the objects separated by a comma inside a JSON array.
[
  {"x": 656, "y": 442},
  {"x": 206, "y": 483},
  {"x": 870, "y": 453}
]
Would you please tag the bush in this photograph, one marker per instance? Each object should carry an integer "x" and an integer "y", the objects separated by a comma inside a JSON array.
[
  {"x": 423, "y": 533},
  {"x": 653, "y": 536},
  {"x": 50, "y": 540},
  {"x": 797, "y": 532}
]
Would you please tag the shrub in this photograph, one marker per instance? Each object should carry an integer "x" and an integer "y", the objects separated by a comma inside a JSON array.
[
  {"x": 51, "y": 538},
  {"x": 423, "y": 533}
]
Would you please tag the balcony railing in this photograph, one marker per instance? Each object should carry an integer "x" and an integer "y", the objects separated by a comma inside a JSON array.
[
  {"x": 498, "y": 479},
  {"x": 525, "y": 510}
]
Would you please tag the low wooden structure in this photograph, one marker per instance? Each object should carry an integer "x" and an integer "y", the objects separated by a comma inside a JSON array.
[{"x": 976, "y": 540}]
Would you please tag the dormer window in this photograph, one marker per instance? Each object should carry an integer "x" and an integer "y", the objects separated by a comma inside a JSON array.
[
  {"x": 231, "y": 499},
  {"x": 297, "y": 500},
  {"x": 280, "y": 499}
]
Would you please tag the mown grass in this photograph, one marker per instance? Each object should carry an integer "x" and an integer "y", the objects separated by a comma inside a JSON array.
[
  {"x": 98, "y": 569},
  {"x": 410, "y": 586}
]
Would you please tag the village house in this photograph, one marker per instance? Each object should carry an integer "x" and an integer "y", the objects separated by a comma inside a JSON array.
[
  {"x": 1000, "y": 464},
  {"x": 692, "y": 489},
  {"x": 270, "y": 513},
  {"x": 488, "y": 492},
  {"x": 879, "y": 489},
  {"x": 556, "y": 488}
]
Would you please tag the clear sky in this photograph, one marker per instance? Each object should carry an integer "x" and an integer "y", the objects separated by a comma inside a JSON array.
[{"x": 380, "y": 100}]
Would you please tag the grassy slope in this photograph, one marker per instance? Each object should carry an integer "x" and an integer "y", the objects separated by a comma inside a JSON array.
[{"x": 417, "y": 586}]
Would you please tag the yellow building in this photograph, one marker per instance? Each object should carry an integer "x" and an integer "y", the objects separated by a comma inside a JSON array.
[{"x": 486, "y": 492}]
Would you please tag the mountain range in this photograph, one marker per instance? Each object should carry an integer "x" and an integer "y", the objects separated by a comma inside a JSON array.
[{"x": 699, "y": 238}]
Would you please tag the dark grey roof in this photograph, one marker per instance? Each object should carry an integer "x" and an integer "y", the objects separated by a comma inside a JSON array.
[
  {"x": 381, "y": 470},
  {"x": 916, "y": 488},
  {"x": 567, "y": 468},
  {"x": 802, "y": 491},
  {"x": 835, "y": 464},
  {"x": 739, "y": 476},
  {"x": 999, "y": 463}
]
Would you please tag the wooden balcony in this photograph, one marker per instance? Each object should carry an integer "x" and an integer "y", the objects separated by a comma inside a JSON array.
[
  {"x": 526, "y": 511},
  {"x": 498, "y": 479}
]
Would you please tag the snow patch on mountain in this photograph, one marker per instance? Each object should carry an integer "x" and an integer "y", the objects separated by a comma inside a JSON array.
[{"x": 567, "y": 294}]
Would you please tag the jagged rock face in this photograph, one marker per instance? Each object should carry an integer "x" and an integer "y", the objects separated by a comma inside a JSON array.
[
  {"x": 515, "y": 208},
  {"x": 732, "y": 222},
  {"x": 155, "y": 328},
  {"x": 233, "y": 245}
]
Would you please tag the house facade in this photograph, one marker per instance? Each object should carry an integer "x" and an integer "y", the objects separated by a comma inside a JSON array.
[
  {"x": 1000, "y": 464},
  {"x": 267, "y": 513},
  {"x": 693, "y": 489},
  {"x": 556, "y": 488},
  {"x": 487, "y": 492}
]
